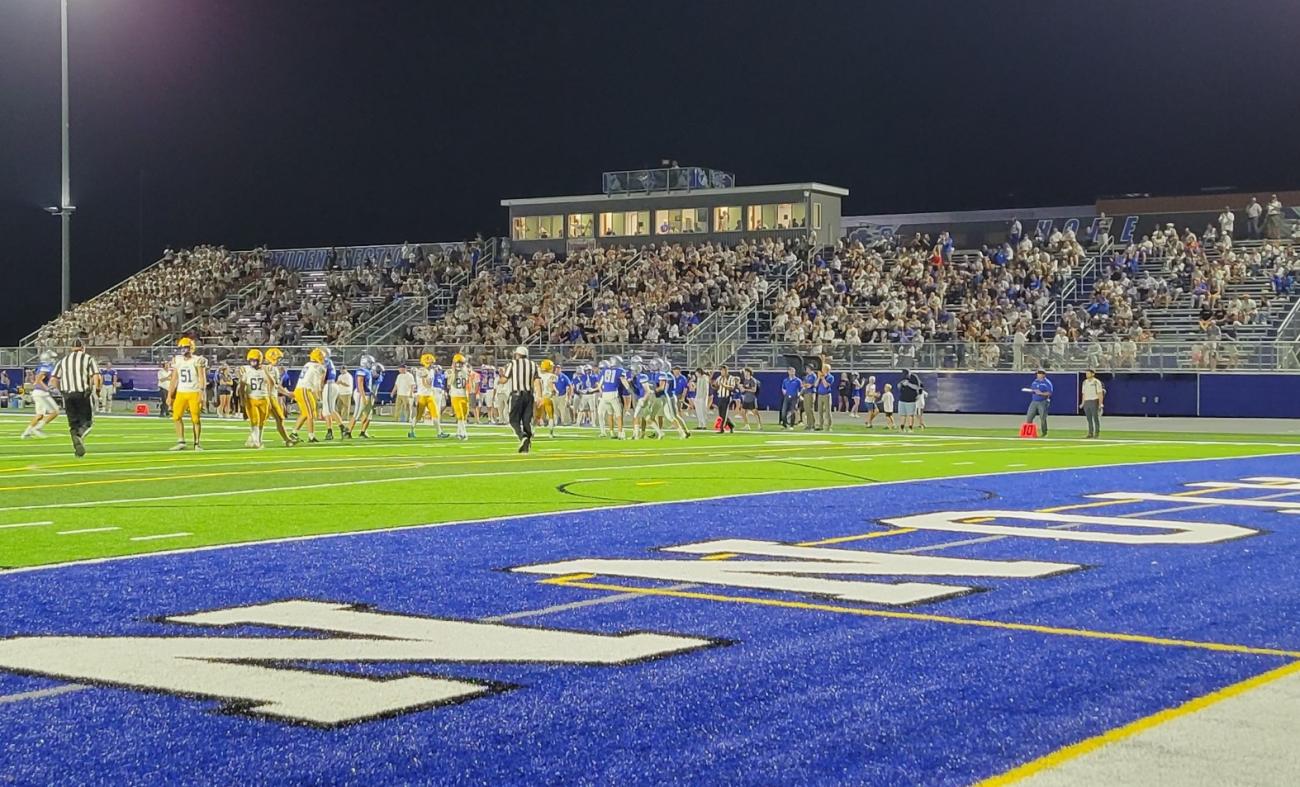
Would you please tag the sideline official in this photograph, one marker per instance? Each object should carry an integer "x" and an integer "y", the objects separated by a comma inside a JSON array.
[
  {"x": 1092, "y": 395},
  {"x": 77, "y": 376},
  {"x": 1039, "y": 401},
  {"x": 523, "y": 381}
]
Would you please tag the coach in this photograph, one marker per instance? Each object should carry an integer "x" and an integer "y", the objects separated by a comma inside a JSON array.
[
  {"x": 790, "y": 388},
  {"x": 523, "y": 381},
  {"x": 909, "y": 390},
  {"x": 77, "y": 376}
]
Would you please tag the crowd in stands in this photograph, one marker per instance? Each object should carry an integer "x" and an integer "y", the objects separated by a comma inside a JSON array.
[
  {"x": 615, "y": 295},
  {"x": 158, "y": 299},
  {"x": 921, "y": 290}
]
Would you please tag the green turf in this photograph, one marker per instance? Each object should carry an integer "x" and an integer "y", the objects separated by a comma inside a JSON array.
[{"x": 130, "y": 482}]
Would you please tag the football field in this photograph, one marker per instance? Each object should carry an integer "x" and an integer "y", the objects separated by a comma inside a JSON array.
[{"x": 942, "y": 607}]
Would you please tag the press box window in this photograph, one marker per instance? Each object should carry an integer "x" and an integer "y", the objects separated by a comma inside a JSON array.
[
  {"x": 625, "y": 224},
  {"x": 727, "y": 219},
  {"x": 674, "y": 222},
  {"x": 782, "y": 216},
  {"x": 537, "y": 227},
  {"x": 580, "y": 225}
]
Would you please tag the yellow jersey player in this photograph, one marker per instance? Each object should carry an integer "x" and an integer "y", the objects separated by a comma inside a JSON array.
[
  {"x": 423, "y": 392},
  {"x": 545, "y": 414},
  {"x": 307, "y": 394},
  {"x": 458, "y": 387},
  {"x": 255, "y": 391},
  {"x": 185, "y": 392},
  {"x": 275, "y": 374}
]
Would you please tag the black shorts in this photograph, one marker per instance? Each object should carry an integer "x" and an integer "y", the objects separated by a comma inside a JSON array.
[{"x": 749, "y": 402}]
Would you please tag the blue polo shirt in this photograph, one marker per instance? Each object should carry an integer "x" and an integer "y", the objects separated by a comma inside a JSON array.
[
  {"x": 1042, "y": 389},
  {"x": 827, "y": 385},
  {"x": 791, "y": 386}
]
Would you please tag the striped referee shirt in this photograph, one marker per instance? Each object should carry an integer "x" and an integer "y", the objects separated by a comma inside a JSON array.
[
  {"x": 727, "y": 384},
  {"x": 521, "y": 374},
  {"x": 76, "y": 372}
]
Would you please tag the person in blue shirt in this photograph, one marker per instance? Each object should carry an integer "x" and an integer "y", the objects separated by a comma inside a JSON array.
[
  {"x": 111, "y": 383},
  {"x": 564, "y": 411},
  {"x": 46, "y": 409},
  {"x": 824, "y": 387},
  {"x": 1040, "y": 400},
  {"x": 675, "y": 385},
  {"x": 791, "y": 387}
]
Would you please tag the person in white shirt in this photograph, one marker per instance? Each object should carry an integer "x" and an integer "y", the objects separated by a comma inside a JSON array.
[
  {"x": 1273, "y": 219},
  {"x": 1091, "y": 397},
  {"x": 887, "y": 405},
  {"x": 1253, "y": 213},
  {"x": 403, "y": 394},
  {"x": 1227, "y": 220}
]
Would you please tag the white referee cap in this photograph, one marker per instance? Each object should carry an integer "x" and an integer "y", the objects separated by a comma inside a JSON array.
[{"x": 521, "y": 351}]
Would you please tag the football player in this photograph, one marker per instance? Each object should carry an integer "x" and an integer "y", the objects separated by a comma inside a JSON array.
[
  {"x": 609, "y": 412},
  {"x": 546, "y": 410},
  {"x": 185, "y": 392},
  {"x": 458, "y": 388},
  {"x": 307, "y": 394},
  {"x": 423, "y": 392},
  {"x": 46, "y": 408},
  {"x": 271, "y": 364},
  {"x": 364, "y": 386},
  {"x": 330, "y": 396},
  {"x": 255, "y": 388}
]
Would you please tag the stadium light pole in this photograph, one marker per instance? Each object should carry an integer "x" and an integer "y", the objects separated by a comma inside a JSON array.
[{"x": 65, "y": 209}]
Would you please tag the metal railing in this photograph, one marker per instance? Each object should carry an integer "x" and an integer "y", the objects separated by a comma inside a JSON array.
[
  {"x": 387, "y": 322},
  {"x": 1220, "y": 355}
]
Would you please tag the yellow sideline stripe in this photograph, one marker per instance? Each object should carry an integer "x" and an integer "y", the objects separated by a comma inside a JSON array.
[
  {"x": 1115, "y": 636},
  {"x": 1061, "y": 756}
]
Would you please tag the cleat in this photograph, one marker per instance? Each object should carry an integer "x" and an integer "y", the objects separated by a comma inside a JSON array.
[
  {"x": 312, "y": 440},
  {"x": 177, "y": 447},
  {"x": 364, "y": 436},
  {"x": 78, "y": 446},
  {"x": 198, "y": 447},
  {"x": 329, "y": 435}
]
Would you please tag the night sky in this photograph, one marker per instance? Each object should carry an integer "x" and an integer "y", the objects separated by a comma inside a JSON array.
[{"x": 333, "y": 122}]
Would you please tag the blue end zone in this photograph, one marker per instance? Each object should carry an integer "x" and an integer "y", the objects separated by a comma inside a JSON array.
[{"x": 800, "y": 695}]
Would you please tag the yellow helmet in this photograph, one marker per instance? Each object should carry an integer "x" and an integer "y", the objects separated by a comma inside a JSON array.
[
  {"x": 274, "y": 354},
  {"x": 427, "y": 360},
  {"x": 317, "y": 355},
  {"x": 254, "y": 354},
  {"x": 185, "y": 341},
  {"x": 458, "y": 358},
  {"x": 546, "y": 365}
]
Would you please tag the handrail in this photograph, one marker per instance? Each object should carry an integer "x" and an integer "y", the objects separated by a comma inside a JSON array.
[{"x": 30, "y": 339}]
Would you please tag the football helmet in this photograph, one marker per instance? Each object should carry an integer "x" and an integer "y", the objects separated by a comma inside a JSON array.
[
  {"x": 427, "y": 360},
  {"x": 273, "y": 355},
  {"x": 254, "y": 354},
  {"x": 317, "y": 355}
]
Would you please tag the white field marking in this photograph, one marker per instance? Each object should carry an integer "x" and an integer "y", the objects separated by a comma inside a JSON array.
[
  {"x": 188, "y": 459},
  {"x": 495, "y": 473},
  {"x": 1247, "y": 502},
  {"x": 589, "y": 480},
  {"x": 963, "y": 463},
  {"x": 614, "y": 507},
  {"x": 986, "y": 539},
  {"x": 53, "y": 691},
  {"x": 918, "y": 461},
  {"x": 1017, "y": 464},
  {"x": 25, "y": 524},
  {"x": 86, "y": 530},
  {"x": 861, "y": 459},
  {"x": 160, "y": 536},
  {"x": 798, "y": 442}
]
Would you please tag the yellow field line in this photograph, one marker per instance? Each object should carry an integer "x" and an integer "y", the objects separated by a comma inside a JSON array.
[
  {"x": 1071, "y": 752},
  {"x": 928, "y": 618}
]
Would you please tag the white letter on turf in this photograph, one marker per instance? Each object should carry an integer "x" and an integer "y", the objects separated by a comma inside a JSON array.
[
  {"x": 1177, "y": 532},
  {"x": 806, "y": 571},
  {"x": 250, "y": 673}
]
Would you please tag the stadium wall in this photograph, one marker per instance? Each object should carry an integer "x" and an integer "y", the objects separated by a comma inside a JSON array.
[
  {"x": 1153, "y": 394},
  {"x": 1208, "y": 394}
]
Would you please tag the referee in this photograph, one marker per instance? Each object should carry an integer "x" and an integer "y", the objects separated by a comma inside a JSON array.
[
  {"x": 727, "y": 385},
  {"x": 77, "y": 376},
  {"x": 524, "y": 385}
]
